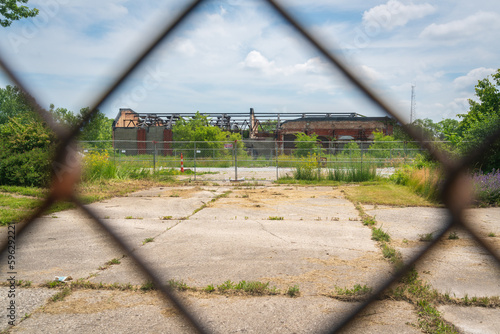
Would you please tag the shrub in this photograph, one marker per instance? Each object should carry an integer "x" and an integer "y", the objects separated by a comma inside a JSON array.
[
  {"x": 31, "y": 168},
  {"x": 487, "y": 187},
  {"x": 424, "y": 181},
  {"x": 306, "y": 145}
]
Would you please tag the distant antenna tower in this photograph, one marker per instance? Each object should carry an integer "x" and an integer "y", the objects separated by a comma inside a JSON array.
[{"x": 413, "y": 104}]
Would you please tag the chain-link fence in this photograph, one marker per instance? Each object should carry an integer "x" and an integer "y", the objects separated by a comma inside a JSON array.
[
  {"x": 454, "y": 190},
  {"x": 270, "y": 162}
]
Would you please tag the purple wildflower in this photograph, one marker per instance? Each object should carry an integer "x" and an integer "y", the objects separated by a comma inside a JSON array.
[{"x": 487, "y": 187}]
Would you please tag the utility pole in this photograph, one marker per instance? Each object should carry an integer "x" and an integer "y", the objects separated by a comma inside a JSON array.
[{"x": 413, "y": 105}]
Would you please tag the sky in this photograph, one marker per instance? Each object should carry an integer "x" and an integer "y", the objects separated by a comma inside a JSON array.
[{"x": 233, "y": 55}]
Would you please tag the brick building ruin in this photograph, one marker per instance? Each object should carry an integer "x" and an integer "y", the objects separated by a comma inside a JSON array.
[{"x": 138, "y": 133}]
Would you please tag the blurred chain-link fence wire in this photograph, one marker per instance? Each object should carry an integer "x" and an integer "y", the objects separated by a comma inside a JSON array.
[{"x": 455, "y": 189}]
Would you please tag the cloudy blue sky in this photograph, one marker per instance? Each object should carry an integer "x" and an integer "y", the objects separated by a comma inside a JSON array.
[{"x": 238, "y": 54}]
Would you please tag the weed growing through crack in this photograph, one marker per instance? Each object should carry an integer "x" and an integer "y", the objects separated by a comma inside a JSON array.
[
  {"x": 275, "y": 218},
  {"x": 491, "y": 235},
  {"x": 113, "y": 261},
  {"x": 210, "y": 288},
  {"x": 178, "y": 285},
  {"x": 369, "y": 221},
  {"x": 453, "y": 236},
  {"x": 293, "y": 291},
  {"x": 148, "y": 240},
  {"x": 147, "y": 286},
  {"x": 426, "y": 237},
  {"x": 61, "y": 294},
  {"x": 166, "y": 218},
  {"x": 379, "y": 235},
  {"x": 356, "y": 290}
]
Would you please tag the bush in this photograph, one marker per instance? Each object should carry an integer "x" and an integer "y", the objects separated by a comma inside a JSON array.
[
  {"x": 26, "y": 147},
  {"x": 423, "y": 181},
  {"x": 31, "y": 168},
  {"x": 97, "y": 166},
  {"x": 306, "y": 145},
  {"x": 487, "y": 187}
]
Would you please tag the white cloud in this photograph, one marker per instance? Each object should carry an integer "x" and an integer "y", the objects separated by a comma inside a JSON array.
[
  {"x": 468, "y": 81},
  {"x": 471, "y": 26},
  {"x": 256, "y": 60},
  {"x": 395, "y": 14}
]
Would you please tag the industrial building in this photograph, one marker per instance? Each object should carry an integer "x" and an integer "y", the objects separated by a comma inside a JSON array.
[{"x": 137, "y": 133}]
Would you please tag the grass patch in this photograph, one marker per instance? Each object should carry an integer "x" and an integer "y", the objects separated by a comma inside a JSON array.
[
  {"x": 147, "y": 286},
  {"x": 275, "y": 218},
  {"x": 385, "y": 193},
  {"x": 426, "y": 237},
  {"x": 66, "y": 291},
  {"x": 178, "y": 285},
  {"x": 491, "y": 235},
  {"x": 113, "y": 261},
  {"x": 293, "y": 291},
  {"x": 25, "y": 191},
  {"x": 147, "y": 240},
  {"x": 453, "y": 236},
  {"x": 379, "y": 235},
  {"x": 356, "y": 293},
  {"x": 369, "y": 221}
]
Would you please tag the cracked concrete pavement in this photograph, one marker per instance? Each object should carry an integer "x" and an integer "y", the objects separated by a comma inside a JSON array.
[{"x": 286, "y": 235}]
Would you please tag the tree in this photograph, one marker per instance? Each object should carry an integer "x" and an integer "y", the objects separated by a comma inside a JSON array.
[
  {"x": 13, "y": 103},
  {"x": 11, "y": 11},
  {"x": 384, "y": 146},
  {"x": 98, "y": 129},
  {"x": 306, "y": 145},
  {"x": 26, "y": 147},
  {"x": 210, "y": 139},
  {"x": 482, "y": 120}
]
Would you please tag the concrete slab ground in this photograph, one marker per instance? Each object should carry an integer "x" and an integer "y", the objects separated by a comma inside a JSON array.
[
  {"x": 287, "y": 237},
  {"x": 458, "y": 267},
  {"x": 474, "y": 320},
  {"x": 311, "y": 237},
  {"x": 134, "y": 312}
]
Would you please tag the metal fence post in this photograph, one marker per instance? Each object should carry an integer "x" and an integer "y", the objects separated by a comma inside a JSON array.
[
  {"x": 235, "y": 161},
  {"x": 154, "y": 156},
  {"x": 277, "y": 166},
  {"x": 195, "y": 161}
]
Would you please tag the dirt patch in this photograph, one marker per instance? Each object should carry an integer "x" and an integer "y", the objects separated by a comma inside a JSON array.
[
  {"x": 182, "y": 193},
  {"x": 88, "y": 302},
  {"x": 336, "y": 272},
  {"x": 274, "y": 196}
]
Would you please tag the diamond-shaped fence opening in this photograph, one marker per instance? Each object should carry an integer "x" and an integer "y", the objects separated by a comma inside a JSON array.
[{"x": 455, "y": 189}]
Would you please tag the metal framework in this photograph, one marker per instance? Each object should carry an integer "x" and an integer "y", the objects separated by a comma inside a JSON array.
[
  {"x": 65, "y": 178},
  {"x": 230, "y": 121}
]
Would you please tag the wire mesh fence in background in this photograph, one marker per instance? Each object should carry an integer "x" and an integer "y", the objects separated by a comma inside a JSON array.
[
  {"x": 454, "y": 189},
  {"x": 284, "y": 157}
]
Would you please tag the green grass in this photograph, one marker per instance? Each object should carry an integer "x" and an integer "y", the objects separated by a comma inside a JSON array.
[
  {"x": 178, "y": 285},
  {"x": 275, "y": 218},
  {"x": 385, "y": 193},
  {"x": 356, "y": 290},
  {"x": 453, "y": 236},
  {"x": 25, "y": 191},
  {"x": 147, "y": 240},
  {"x": 147, "y": 286},
  {"x": 379, "y": 235},
  {"x": 293, "y": 291},
  {"x": 66, "y": 291},
  {"x": 113, "y": 261},
  {"x": 426, "y": 237}
]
